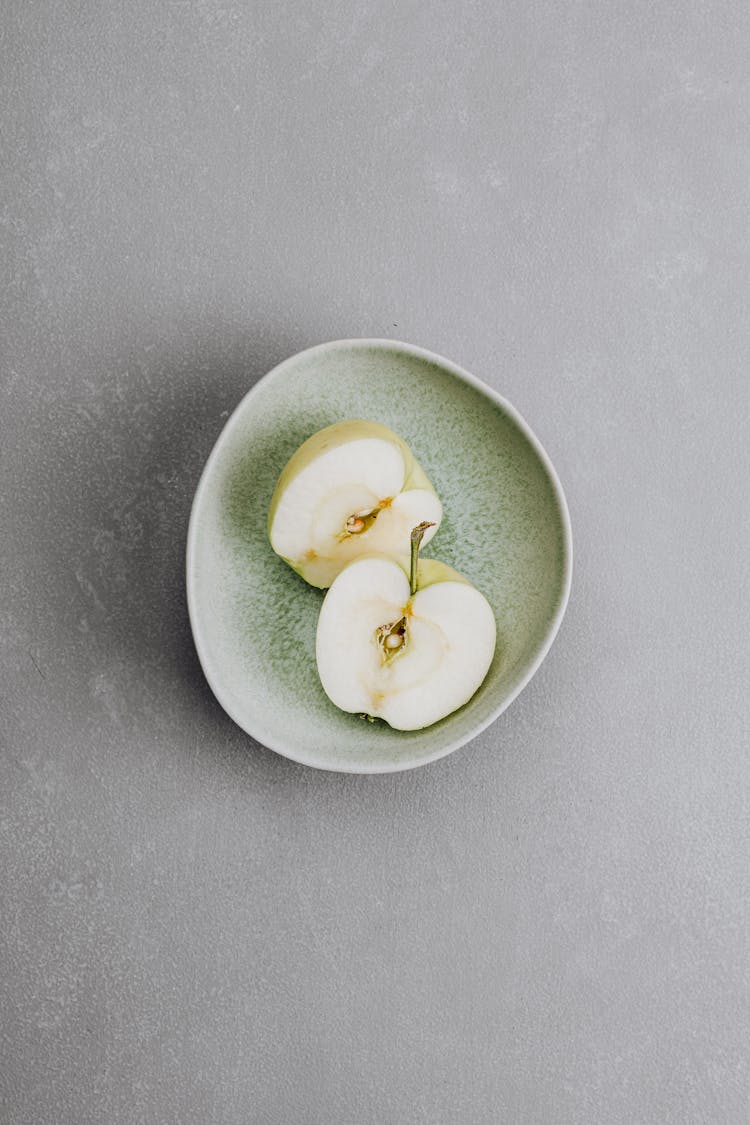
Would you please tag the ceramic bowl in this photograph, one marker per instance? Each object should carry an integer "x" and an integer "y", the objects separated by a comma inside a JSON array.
[{"x": 506, "y": 528}]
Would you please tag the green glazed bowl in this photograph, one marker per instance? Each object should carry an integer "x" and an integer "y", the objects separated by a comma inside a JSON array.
[{"x": 506, "y": 528}]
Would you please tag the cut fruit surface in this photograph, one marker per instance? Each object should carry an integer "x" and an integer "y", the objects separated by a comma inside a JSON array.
[
  {"x": 351, "y": 489},
  {"x": 448, "y": 641}
]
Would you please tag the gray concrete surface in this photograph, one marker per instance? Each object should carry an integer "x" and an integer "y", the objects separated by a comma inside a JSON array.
[{"x": 552, "y": 925}]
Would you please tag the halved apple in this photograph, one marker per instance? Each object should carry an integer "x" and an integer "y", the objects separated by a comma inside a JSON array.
[
  {"x": 408, "y": 643},
  {"x": 350, "y": 489}
]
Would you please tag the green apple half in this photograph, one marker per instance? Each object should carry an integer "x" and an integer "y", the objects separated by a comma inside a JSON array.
[
  {"x": 408, "y": 645},
  {"x": 351, "y": 489}
]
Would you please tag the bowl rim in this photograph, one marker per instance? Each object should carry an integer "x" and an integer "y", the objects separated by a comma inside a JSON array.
[{"x": 266, "y": 738}]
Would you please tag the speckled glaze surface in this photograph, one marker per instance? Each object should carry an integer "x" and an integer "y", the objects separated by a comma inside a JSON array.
[{"x": 505, "y": 527}]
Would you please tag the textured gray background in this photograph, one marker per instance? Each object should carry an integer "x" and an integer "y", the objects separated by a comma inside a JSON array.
[{"x": 552, "y": 925}]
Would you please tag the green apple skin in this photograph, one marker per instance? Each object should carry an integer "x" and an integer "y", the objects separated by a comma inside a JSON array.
[
  {"x": 429, "y": 571},
  {"x": 339, "y": 433}
]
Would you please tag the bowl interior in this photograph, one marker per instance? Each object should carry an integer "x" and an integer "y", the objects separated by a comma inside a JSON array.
[{"x": 254, "y": 620}]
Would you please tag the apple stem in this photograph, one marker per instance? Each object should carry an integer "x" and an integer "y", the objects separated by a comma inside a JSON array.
[{"x": 416, "y": 540}]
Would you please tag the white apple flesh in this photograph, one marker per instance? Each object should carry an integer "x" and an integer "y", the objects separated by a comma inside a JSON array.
[
  {"x": 351, "y": 489},
  {"x": 408, "y": 658}
]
